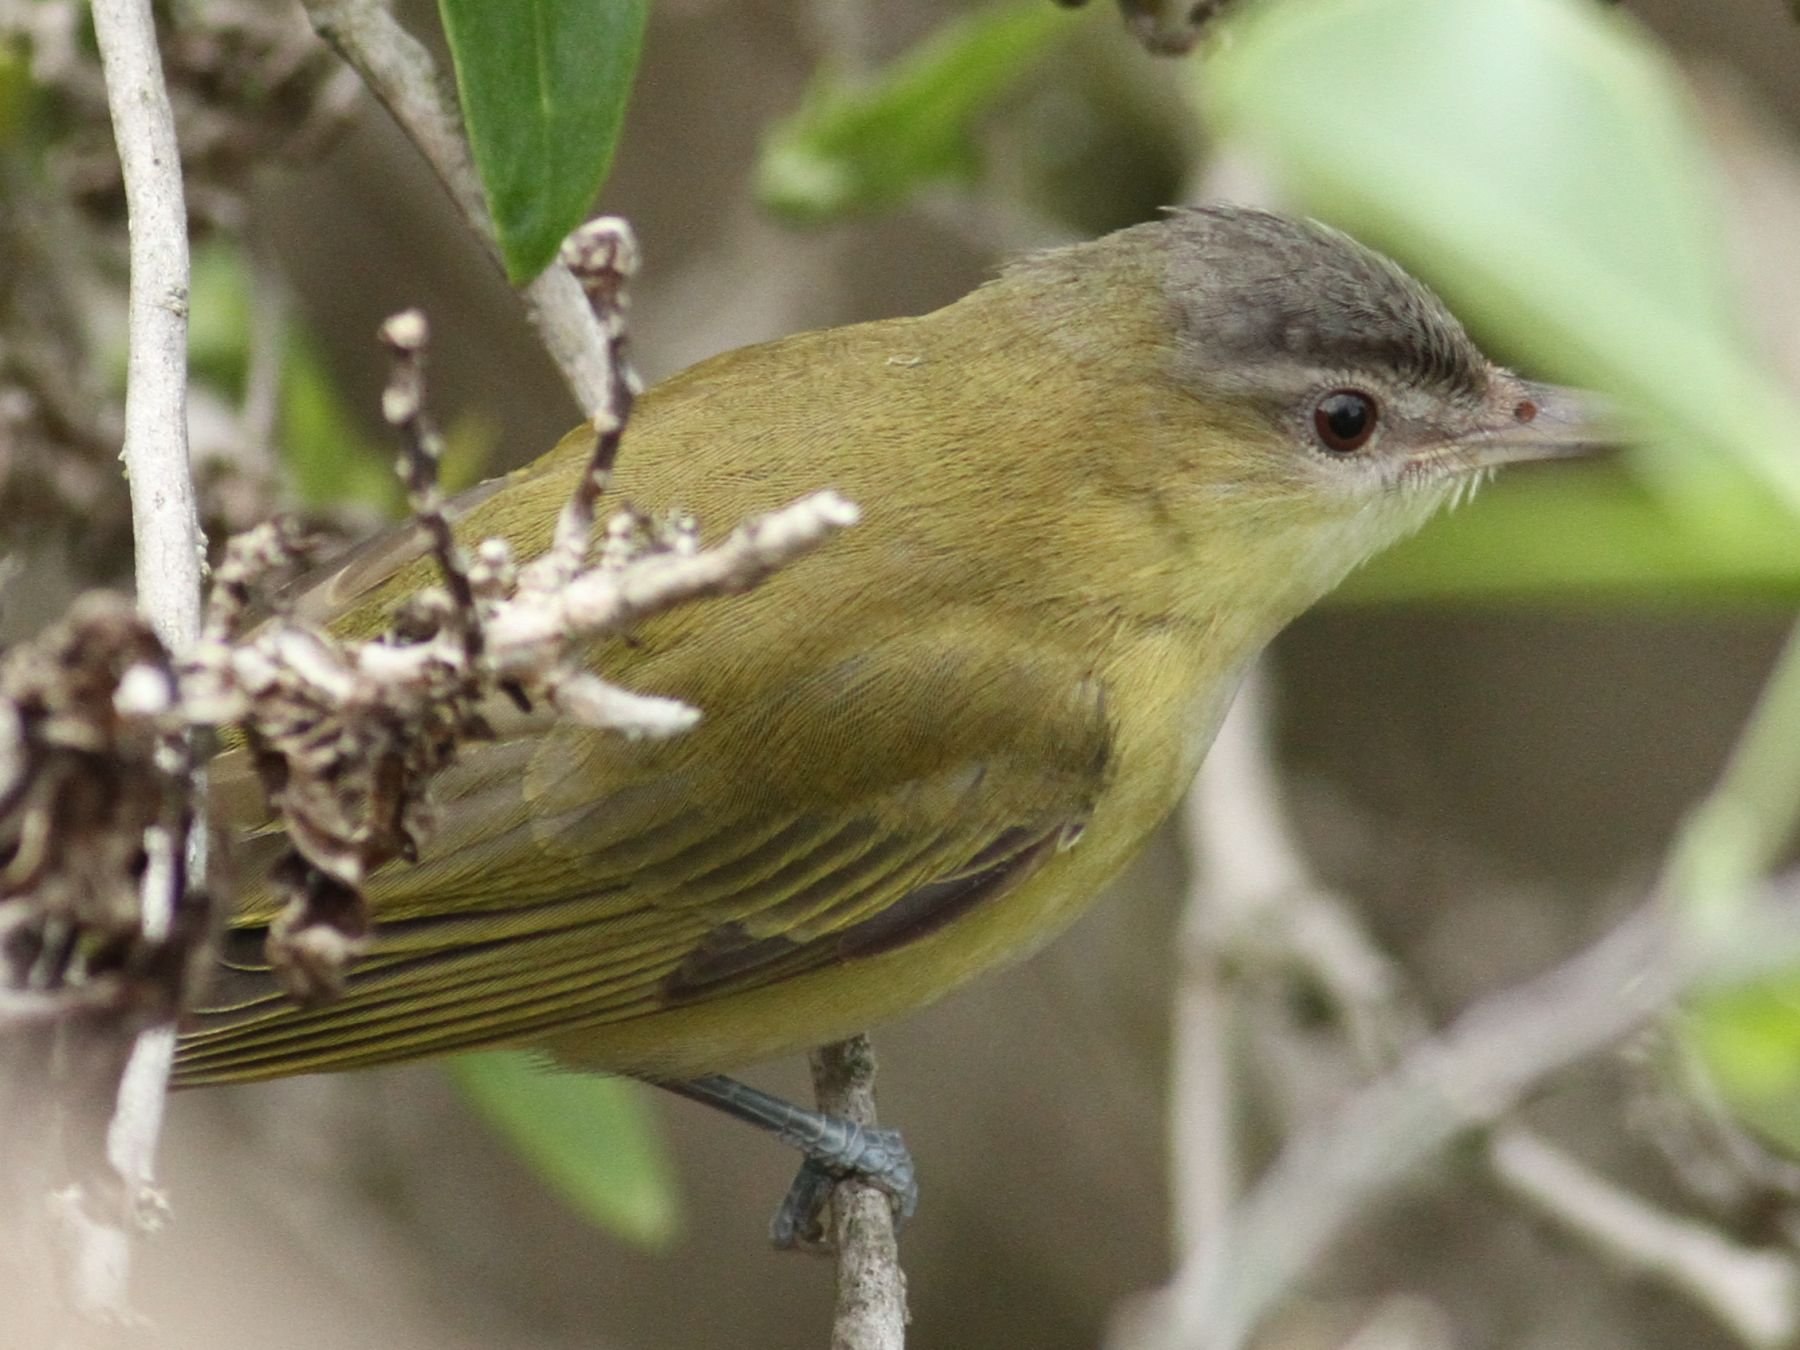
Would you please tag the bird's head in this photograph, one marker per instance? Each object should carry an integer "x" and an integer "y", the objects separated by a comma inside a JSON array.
[{"x": 1314, "y": 403}]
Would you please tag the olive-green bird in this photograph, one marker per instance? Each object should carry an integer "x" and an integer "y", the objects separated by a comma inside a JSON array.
[{"x": 1092, "y": 491}]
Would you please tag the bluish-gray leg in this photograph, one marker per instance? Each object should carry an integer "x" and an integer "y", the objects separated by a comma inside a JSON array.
[{"x": 833, "y": 1149}]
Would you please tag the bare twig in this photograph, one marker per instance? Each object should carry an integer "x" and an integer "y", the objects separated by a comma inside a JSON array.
[
  {"x": 1267, "y": 908},
  {"x": 1467, "y": 1077},
  {"x": 404, "y": 77},
  {"x": 1203, "y": 1144},
  {"x": 167, "y": 534},
  {"x": 1755, "y": 1292},
  {"x": 1254, "y": 904},
  {"x": 163, "y": 515},
  {"x": 871, "y": 1288}
]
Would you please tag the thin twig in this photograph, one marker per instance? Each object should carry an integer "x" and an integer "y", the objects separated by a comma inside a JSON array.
[
  {"x": 1203, "y": 1144},
  {"x": 1755, "y": 1292},
  {"x": 1268, "y": 909},
  {"x": 164, "y": 519},
  {"x": 607, "y": 601},
  {"x": 602, "y": 255},
  {"x": 404, "y": 77},
  {"x": 168, "y": 546},
  {"x": 871, "y": 1288},
  {"x": 421, "y": 452},
  {"x": 1466, "y": 1078},
  {"x": 1253, "y": 903}
]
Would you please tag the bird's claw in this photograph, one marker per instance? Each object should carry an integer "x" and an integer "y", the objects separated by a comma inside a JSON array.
[{"x": 875, "y": 1156}]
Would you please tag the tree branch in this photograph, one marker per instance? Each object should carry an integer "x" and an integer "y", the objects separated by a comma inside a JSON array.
[
  {"x": 1465, "y": 1078},
  {"x": 871, "y": 1288},
  {"x": 168, "y": 546},
  {"x": 1755, "y": 1292},
  {"x": 164, "y": 520},
  {"x": 1255, "y": 905}
]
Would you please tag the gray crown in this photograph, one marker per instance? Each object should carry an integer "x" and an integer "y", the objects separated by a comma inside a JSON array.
[{"x": 1253, "y": 288}]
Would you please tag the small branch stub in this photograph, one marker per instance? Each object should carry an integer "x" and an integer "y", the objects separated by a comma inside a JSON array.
[{"x": 603, "y": 256}]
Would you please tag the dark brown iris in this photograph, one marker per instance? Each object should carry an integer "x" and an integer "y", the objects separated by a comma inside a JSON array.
[{"x": 1344, "y": 420}]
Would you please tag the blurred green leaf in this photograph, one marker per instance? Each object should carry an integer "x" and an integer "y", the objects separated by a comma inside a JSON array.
[
  {"x": 868, "y": 143},
  {"x": 328, "y": 461},
  {"x": 1536, "y": 159},
  {"x": 1748, "y": 1042},
  {"x": 593, "y": 1139},
  {"x": 543, "y": 85},
  {"x": 16, "y": 92},
  {"x": 219, "y": 315},
  {"x": 1589, "y": 532}
]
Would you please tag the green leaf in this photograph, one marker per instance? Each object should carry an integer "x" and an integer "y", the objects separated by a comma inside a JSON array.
[
  {"x": 593, "y": 1139},
  {"x": 860, "y": 145},
  {"x": 543, "y": 85},
  {"x": 1537, "y": 160},
  {"x": 1747, "y": 1043}
]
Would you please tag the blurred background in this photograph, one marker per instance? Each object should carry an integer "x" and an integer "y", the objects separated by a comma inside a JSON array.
[{"x": 1493, "y": 781}]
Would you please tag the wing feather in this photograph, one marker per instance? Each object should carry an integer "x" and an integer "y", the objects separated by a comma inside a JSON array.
[{"x": 642, "y": 877}]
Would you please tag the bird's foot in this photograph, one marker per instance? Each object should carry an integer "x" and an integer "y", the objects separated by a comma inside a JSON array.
[
  {"x": 841, "y": 1151},
  {"x": 835, "y": 1150}
]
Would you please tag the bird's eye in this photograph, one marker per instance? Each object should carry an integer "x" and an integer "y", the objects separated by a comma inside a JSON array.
[{"x": 1344, "y": 420}]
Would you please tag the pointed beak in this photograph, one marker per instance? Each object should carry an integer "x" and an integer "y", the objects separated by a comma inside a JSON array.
[{"x": 1531, "y": 421}]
